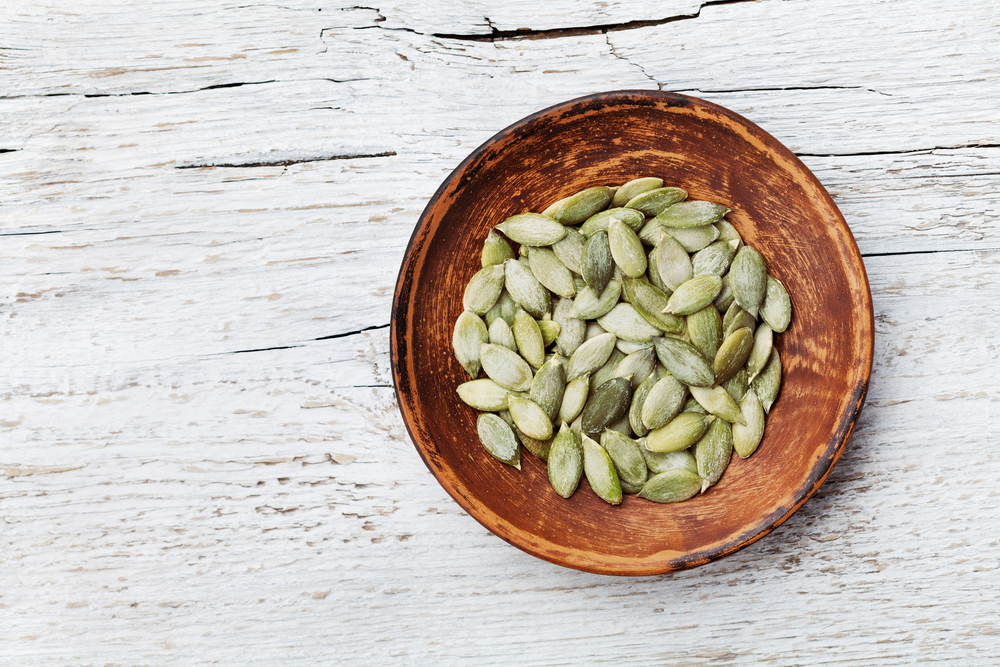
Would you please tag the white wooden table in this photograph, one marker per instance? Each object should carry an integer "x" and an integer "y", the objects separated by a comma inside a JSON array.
[{"x": 203, "y": 207}]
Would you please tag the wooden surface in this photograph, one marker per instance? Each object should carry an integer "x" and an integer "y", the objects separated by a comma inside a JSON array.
[{"x": 203, "y": 208}]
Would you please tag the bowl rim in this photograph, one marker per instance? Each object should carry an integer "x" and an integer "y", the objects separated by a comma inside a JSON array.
[{"x": 823, "y": 465}]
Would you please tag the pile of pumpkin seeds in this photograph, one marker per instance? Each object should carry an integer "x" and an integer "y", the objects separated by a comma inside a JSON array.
[{"x": 629, "y": 339}]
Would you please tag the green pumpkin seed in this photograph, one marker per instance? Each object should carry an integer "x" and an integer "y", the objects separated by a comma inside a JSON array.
[
  {"x": 600, "y": 472},
  {"x": 590, "y": 356},
  {"x": 704, "y": 328},
  {"x": 606, "y": 404},
  {"x": 694, "y": 295},
  {"x": 738, "y": 384},
  {"x": 672, "y": 486},
  {"x": 529, "y": 417},
  {"x": 625, "y": 322},
  {"x": 714, "y": 258},
  {"x": 572, "y": 332},
  {"x": 569, "y": 250},
  {"x": 679, "y": 433},
  {"x": 684, "y": 361},
  {"x": 505, "y": 308},
  {"x": 597, "y": 263},
  {"x": 692, "y": 213},
  {"x": 692, "y": 405},
  {"x": 637, "y": 365},
  {"x": 638, "y": 401},
  {"x": 529, "y": 340},
  {"x": 600, "y": 221},
  {"x": 532, "y": 229},
  {"x": 496, "y": 250},
  {"x": 505, "y": 367},
  {"x": 732, "y": 354},
  {"x": 768, "y": 381},
  {"x": 672, "y": 262},
  {"x": 501, "y": 334},
  {"x": 736, "y": 318},
  {"x": 693, "y": 239},
  {"x": 663, "y": 403},
  {"x": 470, "y": 332},
  {"x": 728, "y": 233},
  {"x": 484, "y": 394},
  {"x": 725, "y": 298},
  {"x": 626, "y": 249},
  {"x": 760, "y": 353},
  {"x": 550, "y": 331},
  {"x": 628, "y": 347},
  {"x": 777, "y": 307},
  {"x": 658, "y": 462},
  {"x": 525, "y": 289},
  {"x": 652, "y": 202},
  {"x": 498, "y": 439},
  {"x": 550, "y": 272},
  {"x": 565, "y": 462},
  {"x": 548, "y": 386},
  {"x": 713, "y": 452},
  {"x": 748, "y": 278},
  {"x": 625, "y": 454},
  {"x": 574, "y": 398},
  {"x": 575, "y": 209},
  {"x": 653, "y": 274},
  {"x": 634, "y": 188},
  {"x": 607, "y": 370},
  {"x": 649, "y": 302},
  {"x": 483, "y": 289},
  {"x": 589, "y": 304},
  {"x": 540, "y": 448},
  {"x": 718, "y": 402},
  {"x": 746, "y": 438}
]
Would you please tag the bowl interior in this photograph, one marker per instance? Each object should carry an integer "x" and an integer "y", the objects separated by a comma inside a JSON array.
[{"x": 779, "y": 208}]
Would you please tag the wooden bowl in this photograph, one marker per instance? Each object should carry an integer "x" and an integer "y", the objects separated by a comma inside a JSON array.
[{"x": 779, "y": 207}]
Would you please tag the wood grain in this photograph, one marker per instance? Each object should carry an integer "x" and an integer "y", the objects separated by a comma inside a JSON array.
[{"x": 170, "y": 497}]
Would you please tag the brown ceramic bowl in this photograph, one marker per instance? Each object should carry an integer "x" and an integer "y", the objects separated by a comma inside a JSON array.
[{"x": 779, "y": 207}]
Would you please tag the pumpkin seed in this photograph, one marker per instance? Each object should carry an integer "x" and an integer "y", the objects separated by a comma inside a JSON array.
[
  {"x": 738, "y": 384},
  {"x": 748, "y": 278},
  {"x": 649, "y": 302},
  {"x": 572, "y": 331},
  {"x": 694, "y": 295},
  {"x": 589, "y": 304},
  {"x": 484, "y": 394},
  {"x": 760, "y": 353},
  {"x": 525, "y": 289},
  {"x": 637, "y": 365},
  {"x": 607, "y": 370},
  {"x": 718, "y": 402},
  {"x": 498, "y": 439},
  {"x": 569, "y": 250},
  {"x": 728, "y": 233},
  {"x": 625, "y": 454},
  {"x": 625, "y": 322},
  {"x": 658, "y": 462},
  {"x": 692, "y": 213},
  {"x": 528, "y": 337},
  {"x": 532, "y": 229},
  {"x": 496, "y": 250},
  {"x": 626, "y": 249},
  {"x": 599, "y": 222},
  {"x": 638, "y": 401},
  {"x": 693, "y": 239},
  {"x": 600, "y": 472},
  {"x": 768, "y": 382},
  {"x": 663, "y": 403},
  {"x": 634, "y": 188},
  {"x": 679, "y": 433},
  {"x": 777, "y": 307},
  {"x": 714, "y": 258},
  {"x": 470, "y": 332},
  {"x": 684, "y": 361},
  {"x": 505, "y": 367},
  {"x": 501, "y": 334},
  {"x": 672, "y": 486},
  {"x": 736, "y": 318},
  {"x": 597, "y": 263},
  {"x": 607, "y": 404},
  {"x": 732, "y": 354},
  {"x": 565, "y": 462},
  {"x": 713, "y": 452},
  {"x": 652, "y": 202},
  {"x": 550, "y": 272},
  {"x": 704, "y": 327},
  {"x": 505, "y": 308},
  {"x": 550, "y": 331},
  {"x": 529, "y": 417},
  {"x": 747, "y": 437},
  {"x": 548, "y": 386},
  {"x": 576, "y": 208},
  {"x": 484, "y": 289},
  {"x": 590, "y": 356},
  {"x": 574, "y": 398}
]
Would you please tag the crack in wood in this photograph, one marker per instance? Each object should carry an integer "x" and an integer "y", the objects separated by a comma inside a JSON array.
[
  {"x": 911, "y": 151},
  {"x": 285, "y": 163},
  {"x": 375, "y": 327}
]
